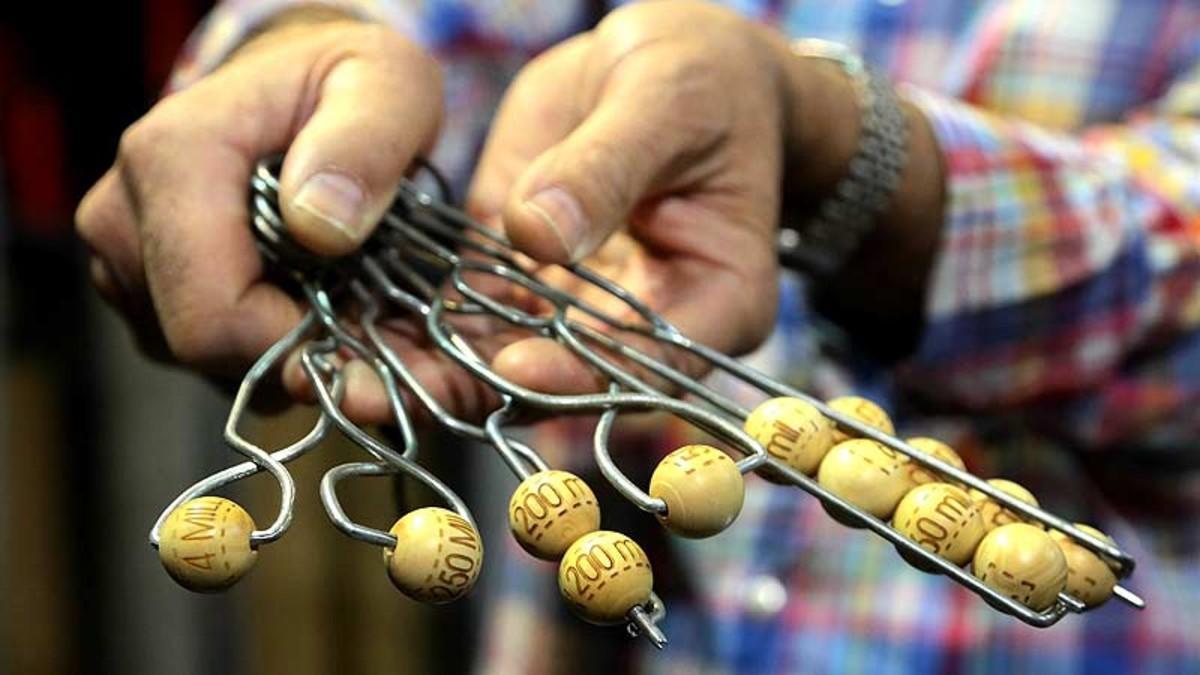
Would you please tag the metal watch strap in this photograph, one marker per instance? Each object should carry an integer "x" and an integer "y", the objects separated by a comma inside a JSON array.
[{"x": 822, "y": 245}]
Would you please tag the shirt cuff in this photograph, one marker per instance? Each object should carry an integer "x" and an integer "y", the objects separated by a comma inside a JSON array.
[{"x": 1029, "y": 211}]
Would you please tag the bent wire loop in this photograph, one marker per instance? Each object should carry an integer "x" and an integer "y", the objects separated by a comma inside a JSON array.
[{"x": 422, "y": 238}]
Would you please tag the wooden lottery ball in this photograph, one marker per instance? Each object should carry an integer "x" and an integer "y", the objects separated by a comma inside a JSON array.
[
  {"x": 867, "y": 412},
  {"x": 603, "y": 576},
  {"x": 995, "y": 515},
  {"x": 204, "y": 544},
  {"x": 551, "y": 509},
  {"x": 1022, "y": 562},
  {"x": 919, "y": 474},
  {"x": 942, "y": 519},
  {"x": 702, "y": 488},
  {"x": 1089, "y": 577},
  {"x": 792, "y": 431},
  {"x": 868, "y": 474},
  {"x": 437, "y": 556}
]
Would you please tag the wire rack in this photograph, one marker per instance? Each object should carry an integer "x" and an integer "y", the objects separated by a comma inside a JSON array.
[{"x": 390, "y": 277}]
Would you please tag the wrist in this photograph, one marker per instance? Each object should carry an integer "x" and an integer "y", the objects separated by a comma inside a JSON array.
[
  {"x": 822, "y": 126},
  {"x": 885, "y": 271}
]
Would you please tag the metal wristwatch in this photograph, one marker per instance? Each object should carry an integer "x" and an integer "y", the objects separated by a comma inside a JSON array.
[{"x": 822, "y": 245}]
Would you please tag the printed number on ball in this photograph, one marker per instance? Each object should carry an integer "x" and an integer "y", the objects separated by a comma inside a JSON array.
[
  {"x": 942, "y": 519},
  {"x": 550, "y": 510},
  {"x": 603, "y": 576},
  {"x": 792, "y": 431},
  {"x": 437, "y": 556},
  {"x": 204, "y": 544}
]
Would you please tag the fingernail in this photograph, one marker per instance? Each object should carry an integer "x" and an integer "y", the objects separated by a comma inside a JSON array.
[
  {"x": 558, "y": 209},
  {"x": 337, "y": 200}
]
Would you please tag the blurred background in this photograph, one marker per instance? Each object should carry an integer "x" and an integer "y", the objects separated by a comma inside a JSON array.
[{"x": 95, "y": 440}]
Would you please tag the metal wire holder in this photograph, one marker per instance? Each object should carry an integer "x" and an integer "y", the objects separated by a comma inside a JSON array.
[{"x": 390, "y": 277}]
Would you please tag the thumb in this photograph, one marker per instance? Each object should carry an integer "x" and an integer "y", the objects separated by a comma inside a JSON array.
[
  {"x": 342, "y": 170},
  {"x": 577, "y": 192}
]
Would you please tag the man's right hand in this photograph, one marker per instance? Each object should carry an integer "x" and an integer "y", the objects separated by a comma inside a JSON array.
[{"x": 351, "y": 103}]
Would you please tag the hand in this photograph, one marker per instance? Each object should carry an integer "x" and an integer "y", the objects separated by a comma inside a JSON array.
[
  {"x": 663, "y": 144},
  {"x": 654, "y": 144},
  {"x": 651, "y": 149},
  {"x": 168, "y": 223}
]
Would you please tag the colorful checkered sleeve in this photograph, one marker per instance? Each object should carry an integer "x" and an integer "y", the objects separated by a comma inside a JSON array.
[{"x": 1062, "y": 256}]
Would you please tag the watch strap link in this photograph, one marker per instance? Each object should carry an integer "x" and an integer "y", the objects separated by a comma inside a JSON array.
[{"x": 822, "y": 245}]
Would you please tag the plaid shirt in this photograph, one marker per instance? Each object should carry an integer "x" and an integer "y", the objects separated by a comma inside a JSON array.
[{"x": 1063, "y": 305}]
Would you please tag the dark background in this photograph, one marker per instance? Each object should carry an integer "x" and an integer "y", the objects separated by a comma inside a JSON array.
[
  {"x": 72, "y": 75},
  {"x": 95, "y": 440}
]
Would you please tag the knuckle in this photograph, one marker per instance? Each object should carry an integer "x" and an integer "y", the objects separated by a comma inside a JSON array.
[
  {"x": 690, "y": 88},
  {"x": 99, "y": 219},
  {"x": 661, "y": 18},
  {"x": 193, "y": 339},
  {"x": 395, "y": 58},
  {"x": 534, "y": 72},
  {"x": 630, "y": 17},
  {"x": 88, "y": 223},
  {"x": 380, "y": 39},
  {"x": 141, "y": 142},
  {"x": 385, "y": 44}
]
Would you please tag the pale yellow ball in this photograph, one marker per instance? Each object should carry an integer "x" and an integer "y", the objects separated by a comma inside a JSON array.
[
  {"x": 1022, "y": 562},
  {"x": 702, "y": 488},
  {"x": 204, "y": 544},
  {"x": 863, "y": 410},
  {"x": 550, "y": 510},
  {"x": 942, "y": 519},
  {"x": 437, "y": 557},
  {"x": 919, "y": 474},
  {"x": 1090, "y": 578},
  {"x": 995, "y": 515},
  {"x": 792, "y": 431},
  {"x": 603, "y": 576},
  {"x": 868, "y": 474}
]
